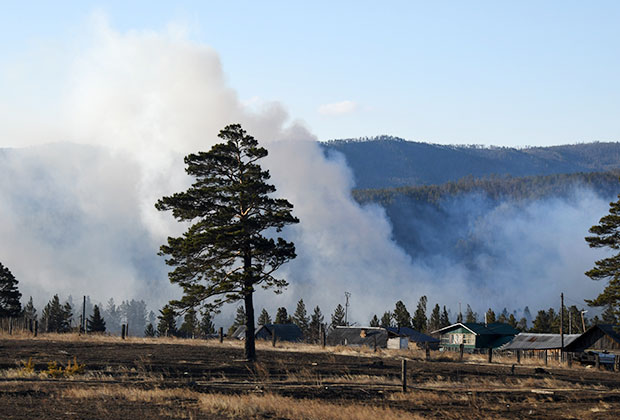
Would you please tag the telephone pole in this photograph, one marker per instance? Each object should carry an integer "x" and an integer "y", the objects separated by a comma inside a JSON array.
[
  {"x": 347, "y": 295},
  {"x": 562, "y": 326}
]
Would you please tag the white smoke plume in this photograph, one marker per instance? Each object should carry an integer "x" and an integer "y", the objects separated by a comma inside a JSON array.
[{"x": 78, "y": 217}]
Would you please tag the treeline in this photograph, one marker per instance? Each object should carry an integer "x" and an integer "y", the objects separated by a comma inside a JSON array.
[{"x": 498, "y": 188}]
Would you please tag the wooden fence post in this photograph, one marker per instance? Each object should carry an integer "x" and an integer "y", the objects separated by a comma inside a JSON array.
[
  {"x": 597, "y": 361},
  {"x": 323, "y": 337},
  {"x": 569, "y": 359},
  {"x": 274, "y": 338},
  {"x": 10, "y": 326},
  {"x": 616, "y": 363},
  {"x": 427, "y": 350},
  {"x": 36, "y": 327},
  {"x": 461, "y": 350},
  {"x": 221, "y": 334},
  {"x": 490, "y": 355},
  {"x": 403, "y": 375},
  {"x": 122, "y": 331},
  {"x": 546, "y": 358},
  {"x": 374, "y": 337},
  {"x": 519, "y": 356}
]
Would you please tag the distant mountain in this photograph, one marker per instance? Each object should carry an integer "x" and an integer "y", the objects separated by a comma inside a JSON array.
[{"x": 385, "y": 161}]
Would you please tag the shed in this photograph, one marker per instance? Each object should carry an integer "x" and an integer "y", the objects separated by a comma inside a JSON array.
[
  {"x": 364, "y": 336},
  {"x": 475, "y": 335},
  {"x": 604, "y": 338},
  {"x": 534, "y": 343},
  {"x": 283, "y": 332},
  {"x": 239, "y": 333},
  {"x": 416, "y": 337}
]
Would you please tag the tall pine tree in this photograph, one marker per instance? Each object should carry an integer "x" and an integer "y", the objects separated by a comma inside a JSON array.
[
  {"x": 338, "y": 317},
  {"x": 402, "y": 318},
  {"x": 316, "y": 325},
  {"x": 300, "y": 318},
  {"x": 95, "y": 323},
  {"x": 419, "y": 318},
  {"x": 264, "y": 318},
  {"x": 224, "y": 255},
  {"x": 10, "y": 305}
]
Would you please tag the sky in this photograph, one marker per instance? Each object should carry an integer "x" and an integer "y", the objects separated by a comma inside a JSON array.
[{"x": 525, "y": 73}]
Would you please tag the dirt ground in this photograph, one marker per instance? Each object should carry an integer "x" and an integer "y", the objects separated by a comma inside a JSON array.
[{"x": 185, "y": 379}]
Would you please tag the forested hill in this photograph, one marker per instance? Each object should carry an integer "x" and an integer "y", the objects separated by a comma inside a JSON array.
[
  {"x": 605, "y": 184},
  {"x": 383, "y": 162}
]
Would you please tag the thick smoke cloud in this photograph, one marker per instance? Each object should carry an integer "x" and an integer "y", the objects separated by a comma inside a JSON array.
[{"x": 78, "y": 217}]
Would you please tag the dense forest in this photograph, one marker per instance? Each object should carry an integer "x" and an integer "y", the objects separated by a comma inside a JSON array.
[{"x": 383, "y": 162}]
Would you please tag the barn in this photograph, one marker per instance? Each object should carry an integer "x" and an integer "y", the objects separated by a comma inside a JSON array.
[
  {"x": 366, "y": 336},
  {"x": 475, "y": 336},
  {"x": 283, "y": 332},
  {"x": 601, "y": 338}
]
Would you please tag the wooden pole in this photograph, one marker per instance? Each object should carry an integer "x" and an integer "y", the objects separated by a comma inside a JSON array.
[
  {"x": 323, "y": 337},
  {"x": 519, "y": 356},
  {"x": 461, "y": 350},
  {"x": 274, "y": 338},
  {"x": 83, "y": 326},
  {"x": 427, "y": 351},
  {"x": 403, "y": 375},
  {"x": 10, "y": 326},
  {"x": 36, "y": 327},
  {"x": 490, "y": 355},
  {"x": 123, "y": 331},
  {"x": 221, "y": 334},
  {"x": 569, "y": 359},
  {"x": 546, "y": 360},
  {"x": 562, "y": 327}
]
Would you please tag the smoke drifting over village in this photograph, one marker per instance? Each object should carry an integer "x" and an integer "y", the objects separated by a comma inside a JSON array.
[{"x": 78, "y": 215}]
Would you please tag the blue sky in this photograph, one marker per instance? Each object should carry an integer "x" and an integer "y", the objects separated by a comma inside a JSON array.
[{"x": 484, "y": 72}]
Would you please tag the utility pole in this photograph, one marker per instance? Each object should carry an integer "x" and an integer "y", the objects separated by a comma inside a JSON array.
[
  {"x": 583, "y": 321},
  {"x": 83, "y": 326},
  {"x": 562, "y": 326},
  {"x": 347, "y": 295}
]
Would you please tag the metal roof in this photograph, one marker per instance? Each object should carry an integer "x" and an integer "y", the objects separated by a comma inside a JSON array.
[
  {"x": 495, "y": 328},
  {"x": 358, "y": 336},
  {"x": 284, "y": 332},
  {"x": 531, "y": 341},
  {"x": 415, "y": 336}
]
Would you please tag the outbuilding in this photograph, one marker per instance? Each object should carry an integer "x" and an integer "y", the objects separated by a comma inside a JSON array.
[
  {"x": 283, "y": 332},
  {"x": 366, "y": 336},
  {"x": 416, "y": 338},
  {"x": 600, "y": 338}
]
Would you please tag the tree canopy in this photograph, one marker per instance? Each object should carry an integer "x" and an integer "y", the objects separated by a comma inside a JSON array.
[
  {"x": 224, "y": 254},
  {"x": 9, "y": 294}
]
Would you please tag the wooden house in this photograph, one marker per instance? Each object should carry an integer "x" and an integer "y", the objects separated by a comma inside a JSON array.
[
  {"x": 416, "y": 338},
  {"x": 600, "y": 338},
  {"x": 475, "y": 336},
  {"x": 283, "y": 332},
  {"x": 366, "y": 336}
]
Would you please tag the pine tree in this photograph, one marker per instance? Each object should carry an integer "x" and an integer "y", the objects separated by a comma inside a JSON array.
[
  {"x": 402, "y": 318},
  {"x": 338, "y": 317},
  {"x": 386, "y": 320},
  {"x": 490, "y": 316},
  {"x": 522, "y": 325},
  {"x": 56, "y": 317},
  {"x": 434, "y": 322},
  {"x": 240, "y": 320},
  {"x": 282, "y": 316},
  {"x": 419, "y": 318},
  {"x": 512, "y": 321},
  {"x": 95, "y": 323},
  {"x": 224, "y": 255},
  {"x": 445, "y": 318},
  {"x": 374, "y": 322},
  {"x": 189, "y": 327},
  {"x": 503, "y": 317},
  {"x": 316, "y": 325},
  {"x": 206, "y": 324},
  {"x": 470, "y": 315},
  {"x": 10, "y": 306},
  {"x": 30, "y": 311},
  {"x": 527, "y": 314},
  {"x": 264, "y": 318},
  {"x": 609, "y": 316},
  {"x": 301, "y": 319},
  {"x": 149, "y": 331},
  {"x": 167, "y": 326}
]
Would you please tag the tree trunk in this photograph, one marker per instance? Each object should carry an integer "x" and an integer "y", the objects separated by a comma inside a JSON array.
[{"x": 250, "y": 348}]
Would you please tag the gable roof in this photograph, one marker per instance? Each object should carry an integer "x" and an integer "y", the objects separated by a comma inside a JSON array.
[
  {"x": 284, "y": 332},
  {"x": 531, "y": 341},
  {"x": 495, "y": 328},
  {"x": 414, "y": 336},
  {"x": 352, "y": 336},
  {"x": 593, "y": 334}
]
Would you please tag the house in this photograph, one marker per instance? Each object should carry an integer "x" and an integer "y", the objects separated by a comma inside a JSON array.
[
  {"x": 475, "y": 336},
  {"x": 420, "y": 339},
  {"x": 366, "y": 336},
  {"x": 599, "y": 338},
  {"x": 283, "y": 332},
  {"x": 537, "y": 343}
]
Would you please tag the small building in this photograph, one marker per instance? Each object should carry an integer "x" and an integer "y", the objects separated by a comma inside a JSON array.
[
  {"x": 239, "y": 333},
  {"x": 283, "y": 332},
  {"x": 599, "y": 338},
  {"x": 475, "y": 335},
  {"x": 419, "y": 339},
  {"x": 537, "y": 343},
  {"x": 366, "y": 336}
]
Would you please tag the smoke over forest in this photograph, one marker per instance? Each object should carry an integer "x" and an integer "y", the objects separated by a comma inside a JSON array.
[{"x": 78, "y": 216}]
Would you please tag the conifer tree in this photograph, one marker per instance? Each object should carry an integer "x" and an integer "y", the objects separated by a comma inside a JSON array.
[
  {"x": 522, "y": 325},
  {"x": 490, "y": 316},
  {"x": 282, "y": 316},
  {"x": 609, "y": 315},
  {"x": 387, "y": 320},
  {"x": 434, "y": 322},
  {"x": 224, "y": 255},
  {"x": 503, "y": 317},
  {"x": 402, "y": 318},
  {"x": 30, "y": 312},
  {"x": 149, "y": 331},
  {"x": 264, "y": 318},
  {"x": 470, "y": 315},
  {"x": 10, "y": 306},
  {"x": 338, "y": 317},
  {"x": 301, "y": 319},
  {"x": 56, "y": 317},
  {"x": 445, "y": 318},
  {"x": 316, "y": 325},
  {"x": 512, "y": 321},
  {"x": 419, "y": 318},
  {"x": 95, "y": 323},
  {"x": 167, "y": 325},
  {"x": 374, "y": 322},
  {"x": 240, "y": 319},
  {"x": 206, "y": 324},
  {"x": 189, "y": 327}
]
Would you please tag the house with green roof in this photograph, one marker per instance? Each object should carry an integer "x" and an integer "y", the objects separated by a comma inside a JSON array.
[{"x": 475, "y": 336}]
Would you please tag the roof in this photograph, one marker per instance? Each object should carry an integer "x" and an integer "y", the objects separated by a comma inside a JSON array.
[
  {"x": 284, "y": 332},
  {"x": 495, "y": 328},
  {"x": 358, "y": 336},
  {"x": 531, "y": 341},
  {"x": 239, "y": 333},
  {"x": 415, "y": 336}
]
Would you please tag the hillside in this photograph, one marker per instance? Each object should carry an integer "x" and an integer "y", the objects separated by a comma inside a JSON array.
[{"x": 383, "y": 162}]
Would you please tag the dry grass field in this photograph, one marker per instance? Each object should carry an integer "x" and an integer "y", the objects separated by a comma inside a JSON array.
[{"x": 99, "y": 377}]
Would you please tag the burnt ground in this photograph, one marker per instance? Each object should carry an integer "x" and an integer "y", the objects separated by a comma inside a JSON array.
[{"x": 436, "y": 389}]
